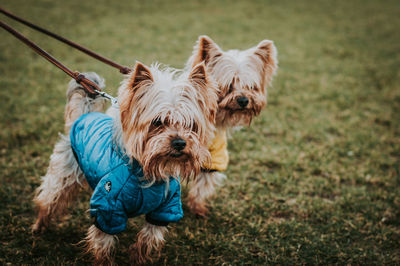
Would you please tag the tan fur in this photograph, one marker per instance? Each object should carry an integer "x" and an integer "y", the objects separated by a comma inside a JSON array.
[
  {"x": 149, "y": 244},
  {"x": 59, "y": 186},
  {"x": 78, "y": 103},
  {"x": 56, "y": 208},
  {"x": 202, "y": 189},
  {"x": 63, "y": 179},
  {"x": 238, "y": 74},
  {"x": 101, "y": 245},
  {"x": 186, "y": 107}
]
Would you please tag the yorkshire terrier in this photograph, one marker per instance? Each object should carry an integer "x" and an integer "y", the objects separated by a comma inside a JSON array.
[
  {"x": 134, "y": 163},
  {"x": 242, "y": 78}
]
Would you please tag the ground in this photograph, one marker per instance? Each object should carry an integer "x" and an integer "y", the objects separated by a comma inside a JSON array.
[{"x": 315, "y": 178}]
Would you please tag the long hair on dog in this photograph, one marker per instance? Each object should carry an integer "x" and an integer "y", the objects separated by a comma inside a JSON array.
[
  {"x": 160, "y": 109},
  {"x": 242, "y": 78},
  {"x": 64, "y": 177},
  {"x": 165, "y": 121}
]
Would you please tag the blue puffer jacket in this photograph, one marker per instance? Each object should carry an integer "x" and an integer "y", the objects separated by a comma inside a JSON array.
[{"x": 119, "y": 191}]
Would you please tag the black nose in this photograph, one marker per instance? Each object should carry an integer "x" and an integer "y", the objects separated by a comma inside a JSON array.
[
  {"x": 242, "y": 101},
  {"x": 178, "y": 144}
]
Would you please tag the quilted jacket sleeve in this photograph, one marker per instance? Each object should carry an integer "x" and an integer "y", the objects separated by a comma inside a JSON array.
[{"x": 171, "y": 209}]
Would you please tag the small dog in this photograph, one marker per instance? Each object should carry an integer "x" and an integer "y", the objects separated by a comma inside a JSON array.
[
  {"x": 165, "y": 123},
  {"x": 242, "y": 78}
]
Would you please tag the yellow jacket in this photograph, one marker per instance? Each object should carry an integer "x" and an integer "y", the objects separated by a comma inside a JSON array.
[{"x": 219, "y": 152}]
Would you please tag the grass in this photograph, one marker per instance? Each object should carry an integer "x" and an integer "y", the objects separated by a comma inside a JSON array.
[{"x": 314, "y": 180}]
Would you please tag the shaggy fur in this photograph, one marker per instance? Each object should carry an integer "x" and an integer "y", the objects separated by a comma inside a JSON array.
[
  {"x": 150, "y": 240},
  {"x": 157, "y": 106},
  {"x": 203, "y": 188},
  {"x": 238, "y": 73},
  {"x": 63, "y": 179},
  {"x": 242, "y": 78},
  {"x": 101, "y": 245}
]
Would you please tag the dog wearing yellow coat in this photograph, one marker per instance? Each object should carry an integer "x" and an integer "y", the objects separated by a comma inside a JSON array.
[{"x": 242, "y": 78}]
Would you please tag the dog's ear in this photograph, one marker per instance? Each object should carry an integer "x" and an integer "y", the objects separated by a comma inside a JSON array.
[
  {"x": 198, "y": 76},
  {"x": 141, "y": 74},
  {"x": 205, "y": 50},
  {"x": 207, "y": 90},
  {"x": 137, "y": 82},
  {"x": 266, "y": 51}
]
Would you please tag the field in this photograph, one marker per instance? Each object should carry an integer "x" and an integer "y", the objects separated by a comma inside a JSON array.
[{"x": 314, "y": 180}]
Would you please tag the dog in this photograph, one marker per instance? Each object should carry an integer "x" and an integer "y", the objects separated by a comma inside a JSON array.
[
  {"x": 242, "y": 78},
  {"x": 134, "y": 163}
]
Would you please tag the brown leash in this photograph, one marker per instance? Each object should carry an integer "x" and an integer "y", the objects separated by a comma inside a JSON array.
[
  {"x": 89, "y": 85},
  {"x": 122, "y": 69}
]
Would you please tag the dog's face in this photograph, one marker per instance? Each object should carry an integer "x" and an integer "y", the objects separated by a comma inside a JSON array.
[
  {"x": 242, "y": 78},
  {"x": 167, "y": 119}
]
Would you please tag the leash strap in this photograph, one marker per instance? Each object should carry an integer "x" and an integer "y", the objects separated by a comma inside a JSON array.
[
  {"x": 87, "y": 84},
  {"x": 122, "y": 69}
]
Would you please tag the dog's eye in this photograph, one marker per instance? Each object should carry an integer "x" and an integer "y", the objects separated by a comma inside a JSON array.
[
  {"x": 230, "y": 88},
  {"x": 194, "y": 127},
  {"x": 157, "y": 122}
]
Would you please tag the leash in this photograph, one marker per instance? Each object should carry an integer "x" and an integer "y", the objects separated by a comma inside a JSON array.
[
  {"x": 122, "y": 69},
  {"x": 89, "y": 86}
]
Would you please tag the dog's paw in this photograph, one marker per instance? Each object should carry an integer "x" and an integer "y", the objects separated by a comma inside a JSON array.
[
  {"x": 199, "y": 209},
  {"x": 136, "y": 256},
  {"x": 36, "y": 229},
  {"x": 142, "y": 254},
  {"x": 39, "y": 227}
]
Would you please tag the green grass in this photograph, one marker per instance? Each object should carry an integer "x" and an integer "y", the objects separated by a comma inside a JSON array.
[{"x": 314, "y": 180}]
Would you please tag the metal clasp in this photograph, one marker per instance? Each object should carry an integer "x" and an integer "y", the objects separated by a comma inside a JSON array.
[{"x": 114, "y": 101}]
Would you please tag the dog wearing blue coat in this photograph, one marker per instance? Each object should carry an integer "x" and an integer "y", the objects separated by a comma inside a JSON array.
[{"x": 135, "y": 161}]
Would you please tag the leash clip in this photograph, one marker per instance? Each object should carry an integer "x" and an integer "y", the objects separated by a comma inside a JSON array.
[{"x": 113, "y": 100}]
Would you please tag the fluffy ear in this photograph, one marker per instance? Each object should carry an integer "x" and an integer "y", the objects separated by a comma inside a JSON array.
[
  {"x": 140, "y": 74},
  {"x": 140, "y": 77},
  {"x": 266, "y": 51},
  {"x": 198, "y": 76},
  {"x": 208, "y": 90},
  {"x": 205, "y": 50}
]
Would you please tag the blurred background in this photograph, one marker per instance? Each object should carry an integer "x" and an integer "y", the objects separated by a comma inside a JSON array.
[{"x": 315, "y": 178}]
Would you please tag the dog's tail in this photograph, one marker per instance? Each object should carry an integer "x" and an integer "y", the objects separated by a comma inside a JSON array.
[{"x": 79, "y": 102}]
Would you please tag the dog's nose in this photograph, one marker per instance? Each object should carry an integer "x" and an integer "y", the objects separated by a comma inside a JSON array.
[
  {"x": 242, "y": 101},
  {"x": 178, "y": 144}
]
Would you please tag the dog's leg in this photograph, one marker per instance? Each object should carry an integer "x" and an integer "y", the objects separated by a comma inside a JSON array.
[
  {"x": 202, "y": 188},
  {"x": 149, "y": 244},
  {"x": 101, "y": 245},
  {"x": 61, "y": 182},
  {"x": 59, "y": 186}
]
